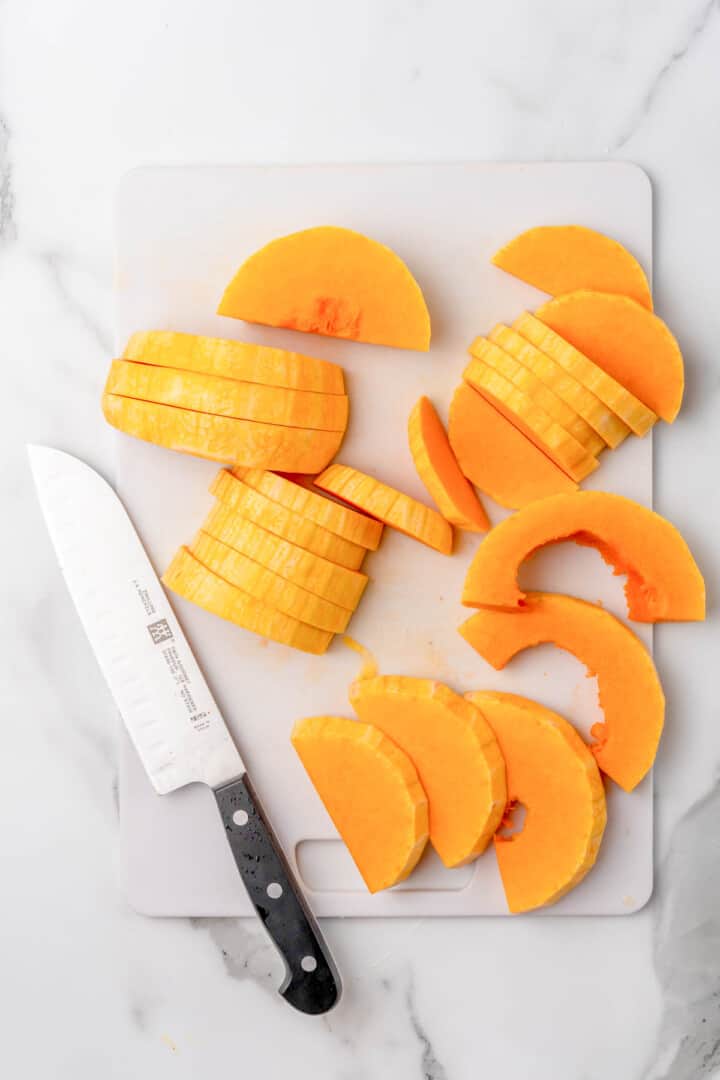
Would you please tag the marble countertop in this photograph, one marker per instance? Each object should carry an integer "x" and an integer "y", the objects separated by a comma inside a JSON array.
[{"x": 90, "y": 990}]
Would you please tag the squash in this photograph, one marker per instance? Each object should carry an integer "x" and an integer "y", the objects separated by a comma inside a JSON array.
[
  {"x": 629, "y": 689},
  {"x": 553, "y": 775},
  {"x": 194, "y": 582},
  {"x": 600, "y": 418},
  {"x": 612, "y": 393},
  {"x": 454, "y": 751},
  {"x": 438, "y": 469},
  {"x": 372, "y": 793},
  {"x": 498, "y": 458},
  {"x": 663, "y": 580},
  {"x": 524, "y": 379},
  {"x": 563, "y": 258},
  {"x": 240, "y": 501},
  {"x": 222, "y": 438},
  {"x": 235, "y": 360},
  {"x": 331, "y": 281},
  {"x": 275, "y": 591},
  {"x": 520, "y": 409},
  {"x": 388, "y": 505},
  {"x": 358, "y": 528},
  {"x": 228, "y": 397}
]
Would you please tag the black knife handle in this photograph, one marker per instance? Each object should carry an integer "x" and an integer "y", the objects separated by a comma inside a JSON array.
[{"x": 311, "y": 982}]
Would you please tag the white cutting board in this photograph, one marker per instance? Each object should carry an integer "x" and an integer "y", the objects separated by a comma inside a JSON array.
[{"x": 181, "y": 234}]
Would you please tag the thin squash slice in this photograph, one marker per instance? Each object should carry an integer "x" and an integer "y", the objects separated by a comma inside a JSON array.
[
  {"x": 627, "y": 341},
  {"x": 498, "y": 458},
  {"x": 372, "y": 793},
  {"x": 388, "y": 505},
  {"x": 629, "y": 689},
  {"x": 663, "y": 580},
  {"x": 228, "y": 397},
  {"x": 553, "y": 775},
  {"x": 222, "y": 438},
  {"x": 335, "y": 282},
  {"x": 454, "y": 751},
  {"x": 235, "y": 360},
  {"x": 438, "y": 469},
  {"x": 563, "y": 258},
  {"x": 194, "y": 582}
]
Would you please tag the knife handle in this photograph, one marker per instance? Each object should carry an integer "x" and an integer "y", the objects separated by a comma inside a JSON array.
[{"x": 311, "y": 982}]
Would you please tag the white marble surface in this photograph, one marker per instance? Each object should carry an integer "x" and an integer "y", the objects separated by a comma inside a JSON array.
[{"x": 88, "y": 90}]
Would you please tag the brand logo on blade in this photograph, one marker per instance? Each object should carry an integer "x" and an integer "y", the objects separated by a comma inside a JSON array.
[{"x": 160, "y": 631}]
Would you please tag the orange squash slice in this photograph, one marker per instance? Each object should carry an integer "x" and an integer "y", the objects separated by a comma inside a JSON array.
[
  {"x": 663, "y": 580},
  {"x": 194, "y": 582},
  {"x": 372, "y": 793},
  {"x": 629, "y": 690},
  {"x": 438, "y": 469},
  {"x": 454, "y": 751},
  {"x": 564, "y": 258},
  {"x": 334, "y": 282},
  {"x": 388, "y": 505},
  {"x": 498, "y": 458},
  {"x": 550, "y": 772},
  {"x": 222, "y": 438},
  {"x": 235, "y": 360}
]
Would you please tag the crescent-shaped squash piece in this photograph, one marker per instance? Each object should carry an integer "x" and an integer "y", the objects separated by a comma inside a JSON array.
[
  {"x": 629, "y": 689},
  {"x": 371, "y": 791},
  {"x": 334, "y": 282},
  {"x": 553, "y": 775},
  {"x": 663, "y": 580}
]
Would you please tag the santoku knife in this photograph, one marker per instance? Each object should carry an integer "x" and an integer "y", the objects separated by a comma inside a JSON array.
[{"x": 168, "y": 709}]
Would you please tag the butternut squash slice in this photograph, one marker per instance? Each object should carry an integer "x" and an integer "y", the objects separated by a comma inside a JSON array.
[
  {"x": 335, "y": 282},
  {"x": 498, "y": 458},
  {"x": 553, "y": 775},
  {"x": 372, "y": 793},
  {"x": 265, "y": 585},
  {"x": 517, "y": 407},
  {"x": 629, "y": 690},
  {"x": 194, "y": 582},
  {"x": 563, "y": 258},
  {"x": 228, "y": 397},
  {"x": 235, "y": 360},
  {"x": 222, "y": 438},
  {"x": 438, "y": 469},
  {"x": 358, "y": 528},
  {"x": 627, "y": 341},
  {"x": 388, "y": 505},
  {"x": 454, "y": 751},
  {"x": 601, "y": 419},
  {"x": 240, "y": 501},
  {"x": 663, "y": 580},
  {"x": 611, "y": 392},
  {"x": 524, "y": 379}
]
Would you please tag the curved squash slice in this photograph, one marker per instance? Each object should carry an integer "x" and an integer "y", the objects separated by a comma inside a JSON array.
[
  {"x": 663, "y": 580},
  {"x": 388, "y": 505},
  {"x": 454, "y": 751},
  {"x": 334, "y": 282},
  {"x": 372, "y": 793},
  {"x": 228, "y": 397},
  {"x": 629, "y": 690},
  {"x": 222, "y": 438},
  {"x": 341, "y": 520},
  {"x": 438, "y": 469},
  {"x": 238, "y": 501},
  {"x": 235, "y": 360},
  {"x": 498, "y": 458},
  {"x": 563, "y": 258},
  {"x": 190, "y": 579},
  {"x": 551, "y": 772}
]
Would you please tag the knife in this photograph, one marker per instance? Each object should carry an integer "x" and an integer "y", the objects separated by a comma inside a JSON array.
[{"x": 168, "y": 708}]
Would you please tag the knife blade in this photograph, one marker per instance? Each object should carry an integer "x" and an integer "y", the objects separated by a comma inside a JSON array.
[{"x": 168, "y": 709}]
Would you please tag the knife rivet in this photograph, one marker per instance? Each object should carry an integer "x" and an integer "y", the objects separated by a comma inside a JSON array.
[
  {"x": 274, "y": 890},
  {"x": 308, "y": 963},
  {"x": 240, "y": 817}
]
